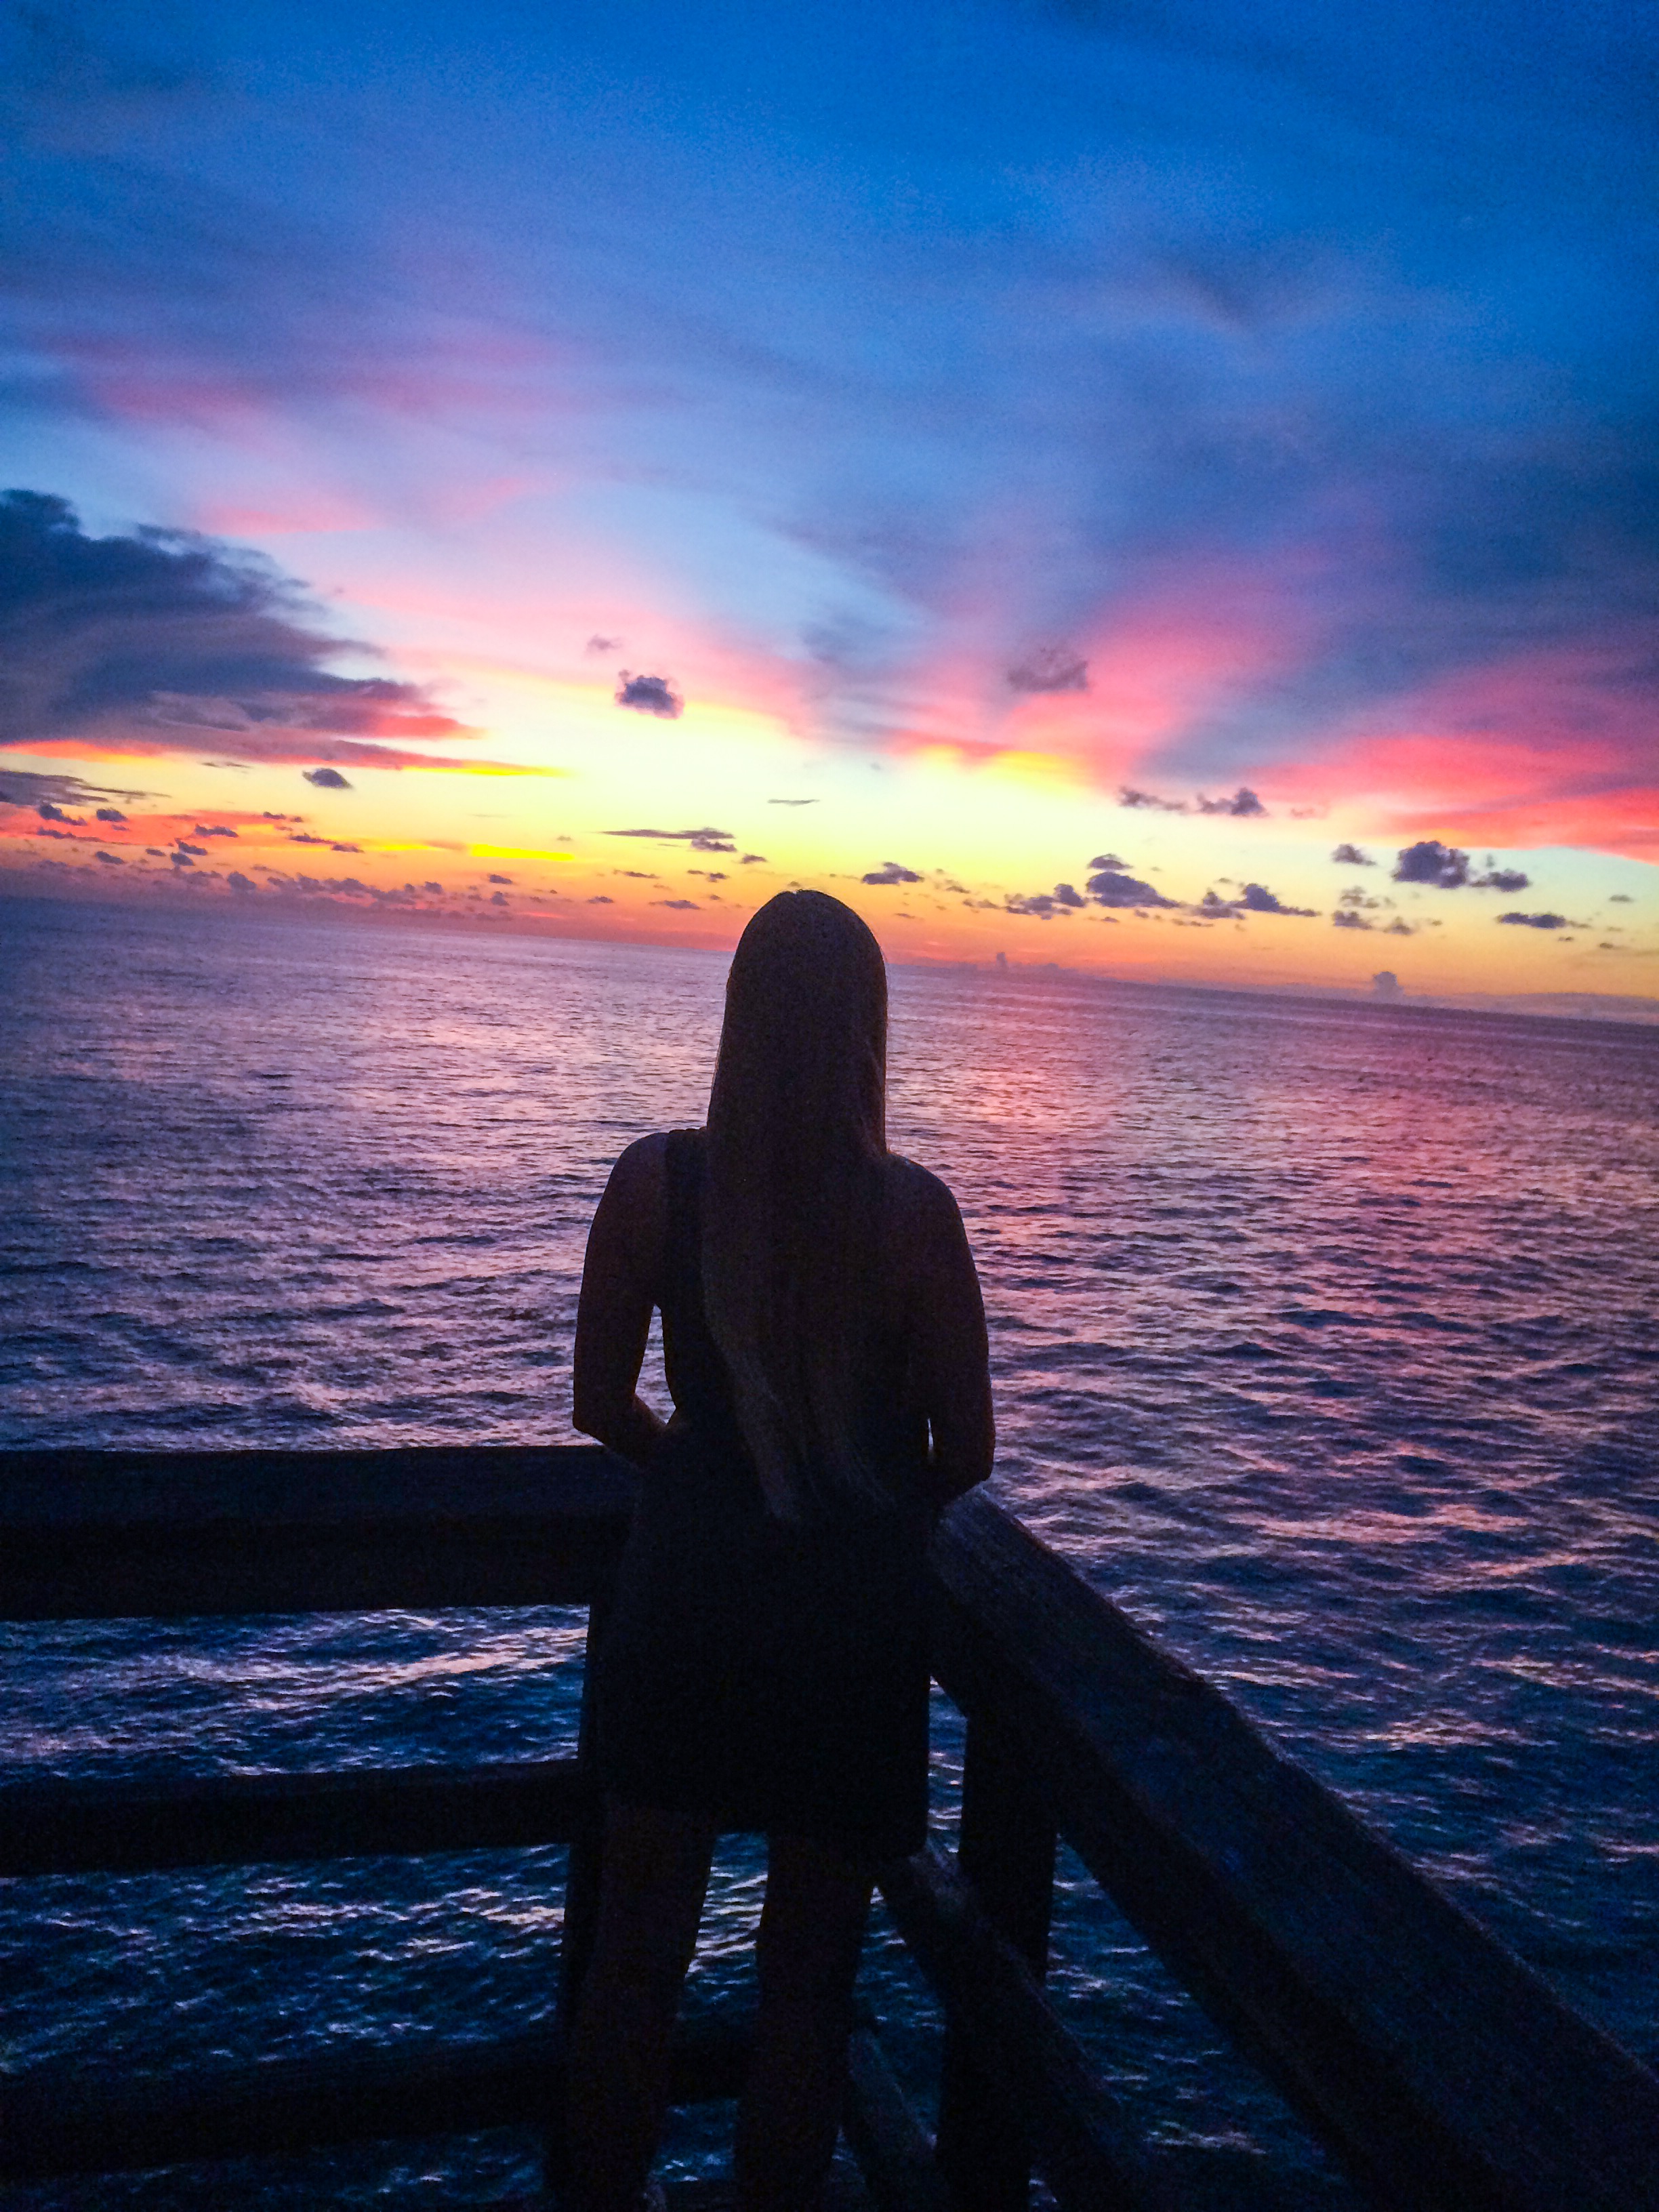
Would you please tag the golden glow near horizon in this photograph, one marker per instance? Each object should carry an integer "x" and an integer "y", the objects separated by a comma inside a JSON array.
[
  {"x": 973, "y": 840},
  {"x": 966, "y": 822}
]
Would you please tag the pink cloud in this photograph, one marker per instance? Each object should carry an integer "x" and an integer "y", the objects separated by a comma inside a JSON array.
[{"x": 1550, "y": 748}]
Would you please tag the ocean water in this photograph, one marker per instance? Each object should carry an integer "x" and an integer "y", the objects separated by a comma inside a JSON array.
[{"x": 1324, "y": 1341}]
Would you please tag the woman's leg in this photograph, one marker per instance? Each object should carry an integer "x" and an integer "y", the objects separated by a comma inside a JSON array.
[
  {"x": 811, "y": 1933},
  {"x": 656, "y": 1870}
]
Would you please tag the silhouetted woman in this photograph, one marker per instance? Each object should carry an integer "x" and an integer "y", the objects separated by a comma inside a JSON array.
[{"x": 765, "y": 1665}]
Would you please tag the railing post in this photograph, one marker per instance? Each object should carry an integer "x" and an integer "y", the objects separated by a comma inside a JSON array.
[
  {"x": 585, "y": 1864},
  {"x": 1008, "y": 1854},
  {"x": 584, "y": 1871}
]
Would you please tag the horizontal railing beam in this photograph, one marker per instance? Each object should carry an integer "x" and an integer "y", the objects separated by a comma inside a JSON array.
[
  {"x": 55, "y": 2124},
  {"x": 142, "y": 1826},
  {"x": 103, "y": 1535},
  {"x": 1446, "y": 2076}
]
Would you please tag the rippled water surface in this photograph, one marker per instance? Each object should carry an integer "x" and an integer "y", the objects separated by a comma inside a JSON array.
[{"x": 1324, "y": 1340}]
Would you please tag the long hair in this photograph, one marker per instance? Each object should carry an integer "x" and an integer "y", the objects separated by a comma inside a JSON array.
[{"x": 797, "y": 1139}]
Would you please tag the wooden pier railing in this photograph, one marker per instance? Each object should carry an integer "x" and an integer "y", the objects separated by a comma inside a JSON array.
[{"x": 1439, "y": 2070}]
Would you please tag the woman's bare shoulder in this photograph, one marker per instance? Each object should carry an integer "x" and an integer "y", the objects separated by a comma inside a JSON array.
[
  {"x": 921, "y": 1204},
  {"x": 625, "y": 1244},
  {"x": 642, "y": 1163},
  {"x": 634, "y": 1193}
]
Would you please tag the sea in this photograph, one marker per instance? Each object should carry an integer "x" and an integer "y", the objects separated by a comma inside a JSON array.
[{"x": 1325, "y": 1339}]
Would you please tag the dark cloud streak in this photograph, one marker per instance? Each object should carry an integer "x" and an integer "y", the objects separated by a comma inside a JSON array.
[
  {"x": 1242, "y": 805},
  {"x": 699, "y": 841}
]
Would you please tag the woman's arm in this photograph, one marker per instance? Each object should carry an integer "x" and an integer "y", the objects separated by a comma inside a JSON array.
[
  {"x": 948, "y": 1333},
  {"x": 621, "y": 1280}
]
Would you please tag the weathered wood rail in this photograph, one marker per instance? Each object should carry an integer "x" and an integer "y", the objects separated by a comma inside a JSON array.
[{"x": 1438, "y": 2069}]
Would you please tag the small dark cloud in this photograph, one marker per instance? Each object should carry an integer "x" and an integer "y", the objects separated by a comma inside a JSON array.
[
  {"x": 699, "y": 841},
  {"x": 1346, "y": 918},
  {"x": 1063, "y": 899},
  {"x": 499, "y": 879},
  {"x": 649, "y": 695},
  {"x": 197, "y": 852},
  {"x": 1350, "y": 856},
  {"x": 48, "y": 813},
  {"x": 601, "y": 898},
  {"x": 680, "y": 905},
  {"x": 111, "y": 814},
  {"x": 1128, "y": 796},
  {"x": 1050, "y": 668},
  {"x": 1110, "y": 860},
  {"x": 1253, "y": 898},
  {"x": 1430, "y": 862},
  {"x": 1540, "y": 922},
  {"x": 305, "y": 837},
  {"x": 499, "y": 898},
  {"x": 792, "y": 802},
  {"x": 1244, "y": 804},
  {"x": 1386, "y": 984},
  {"x": 1501, "y": 879},
  {"x": 708, "y": 875},
  {"x": 239, "y": 883},
  {"x": 753, "y": 860},
  {"x": 890, "y": 871},
  {"x": 207, "y": 828},
  {"x": 1112, "y": 887},
  {"x": 598, "y": 644},
  {"x": 344, "y": 848},
  {"x": 181, "y": 859},
  {"x": 436, "y": 889},
  {"x": 110, "y": 860},
  {"x": 1398, "y": 928},
  {"x": 1620, "y": 898},
  {"x": 325, "y": 779}
]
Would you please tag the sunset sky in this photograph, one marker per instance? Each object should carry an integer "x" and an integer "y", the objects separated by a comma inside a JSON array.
[{"x": 1170, "y": 489}]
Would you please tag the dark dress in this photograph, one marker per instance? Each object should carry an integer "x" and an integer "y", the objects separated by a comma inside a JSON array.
[{"x": 772, "y": 1676}]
